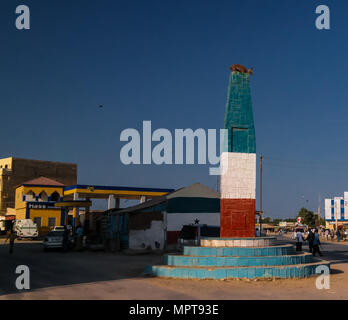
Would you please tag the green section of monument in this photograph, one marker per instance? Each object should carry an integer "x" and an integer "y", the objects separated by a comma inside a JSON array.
[{"x": 239, "y": 119}]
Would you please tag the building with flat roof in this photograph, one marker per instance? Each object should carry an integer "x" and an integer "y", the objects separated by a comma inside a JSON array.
[
  {"x": 336, "y": 211},
  {"x": 15, "y": 171}
]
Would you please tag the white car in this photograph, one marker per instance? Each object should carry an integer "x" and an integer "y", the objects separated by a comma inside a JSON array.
[
  {"x": 58, "y": 228},
  {"x": 25, "y": 228}
]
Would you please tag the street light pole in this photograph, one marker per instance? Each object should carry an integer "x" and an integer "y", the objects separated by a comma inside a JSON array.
[
  {"x": 260, "y": 193},
  {"x": 336, "y": 214},
  {"x": 319, "y": 215}
]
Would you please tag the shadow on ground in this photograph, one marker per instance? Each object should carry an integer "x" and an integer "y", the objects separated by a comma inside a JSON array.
[{"x": 48, "y": 269}]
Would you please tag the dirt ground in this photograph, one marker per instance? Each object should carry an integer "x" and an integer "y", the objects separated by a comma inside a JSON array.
[{"x": 157, "y": 288}]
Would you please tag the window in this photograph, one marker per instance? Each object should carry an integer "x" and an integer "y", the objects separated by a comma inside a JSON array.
[
  {"x": 51, "y": 222},
  {"x": 30, "y": 196},
  {"x": 43, "y": 196},
  {"x": 37, "y": 220},
  {"x": 54, "y": 196}
]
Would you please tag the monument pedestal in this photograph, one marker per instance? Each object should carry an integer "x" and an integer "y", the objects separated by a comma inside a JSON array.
[
  {"x": 249, "y": 258},
  {"x": 238, "y": 242}
]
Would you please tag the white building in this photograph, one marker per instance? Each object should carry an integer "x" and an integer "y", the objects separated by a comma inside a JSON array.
[{"x": 337, "y": 209}]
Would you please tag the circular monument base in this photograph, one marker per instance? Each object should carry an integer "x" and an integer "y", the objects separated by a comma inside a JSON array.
[{"x": 238, "y": 242}]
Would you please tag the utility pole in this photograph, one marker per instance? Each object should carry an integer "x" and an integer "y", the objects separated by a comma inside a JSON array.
[
  {"x": 261, "y": 192},
  {"x": 319, "y": 213}
]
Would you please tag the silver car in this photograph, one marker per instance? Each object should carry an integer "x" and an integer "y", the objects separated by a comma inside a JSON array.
[{"x": 54, "y": 239}]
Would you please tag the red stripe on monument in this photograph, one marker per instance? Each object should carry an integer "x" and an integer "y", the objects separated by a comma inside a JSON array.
[{"x": 237, "y": 218}]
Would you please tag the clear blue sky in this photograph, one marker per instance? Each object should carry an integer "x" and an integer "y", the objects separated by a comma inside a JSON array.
[{"x": 168, "y": 61}]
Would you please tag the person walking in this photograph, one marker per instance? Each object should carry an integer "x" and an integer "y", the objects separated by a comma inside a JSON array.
[
  {"x": 11, "y": 236},
  {"x": 299, "y": 240},
  {"x": 338, "y": 235},
  {"x": 316, "y": 243},
  {"x": 310, "y": 239},
  {"x": 327, "y": 234}
]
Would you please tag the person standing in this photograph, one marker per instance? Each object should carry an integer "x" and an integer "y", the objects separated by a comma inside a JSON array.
[
  {"x": 310, "y": 239},
  {"x": 338, "y": 235},
  {"x": 66, "y": 239},
  {"x": 316, "y": 243},
  {"x": 79, "y": 235},
  {"x": 299, "y": 240}
]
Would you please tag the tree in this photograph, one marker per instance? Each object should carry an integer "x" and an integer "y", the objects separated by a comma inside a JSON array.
[
  {"x": 267, "y": 220},
  {"x": 322, "y": 221},
  {"x": 308, "y": 217},
  {"x": 276, "y": 221}
]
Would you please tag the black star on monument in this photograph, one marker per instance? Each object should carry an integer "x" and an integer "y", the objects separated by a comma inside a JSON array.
[{"x": 196, "y": 221}]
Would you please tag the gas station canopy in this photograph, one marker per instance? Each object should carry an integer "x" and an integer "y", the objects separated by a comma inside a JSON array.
[
  {"x": 103, "y": 192},
  {"x": 73, "y": 204}
]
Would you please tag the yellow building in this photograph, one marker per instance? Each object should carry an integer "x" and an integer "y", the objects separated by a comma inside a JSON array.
[
  {"x": 35, "y": 199},
  {"x": 14, "y": 171}
]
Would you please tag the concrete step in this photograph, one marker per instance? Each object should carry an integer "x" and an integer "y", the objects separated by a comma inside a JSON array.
[
  {"x": 238, "y": 242},
  {"x": 186, "y": 260},
  {"x": 252, "y": 272},
  {"x": 287, "y": 249}
]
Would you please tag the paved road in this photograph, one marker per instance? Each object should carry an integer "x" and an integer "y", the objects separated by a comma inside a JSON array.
[
  {"x": 100, "y": 275},
  {"x": 336, "y": 253}
]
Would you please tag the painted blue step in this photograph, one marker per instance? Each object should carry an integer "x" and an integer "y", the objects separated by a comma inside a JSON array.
[
  {"x": 287, "y": 249},
  {"x": 288, "y": 271},
  {"x": 179, "y": 260}
]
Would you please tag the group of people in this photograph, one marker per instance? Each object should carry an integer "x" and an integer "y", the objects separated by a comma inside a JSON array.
[
  {"x": 327, "y": 234},
  {"x": 312, "y": 238}
]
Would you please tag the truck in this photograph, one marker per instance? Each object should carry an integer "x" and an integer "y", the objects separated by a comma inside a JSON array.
[{"x": 25, "y": 228}]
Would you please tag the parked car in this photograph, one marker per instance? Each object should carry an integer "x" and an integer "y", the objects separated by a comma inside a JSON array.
[
  {"x": 2, "y": 225},
  {"x": 54, "y": 240},
  {"x": 25, "y": 228},
  {"x": 190, "y": 235}
]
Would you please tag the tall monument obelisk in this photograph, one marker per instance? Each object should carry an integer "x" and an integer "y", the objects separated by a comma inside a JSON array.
[{"x": 238, "y": 178}]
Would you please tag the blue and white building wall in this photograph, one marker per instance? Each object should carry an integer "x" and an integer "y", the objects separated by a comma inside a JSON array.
[{"x": 336, "y": 209}]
